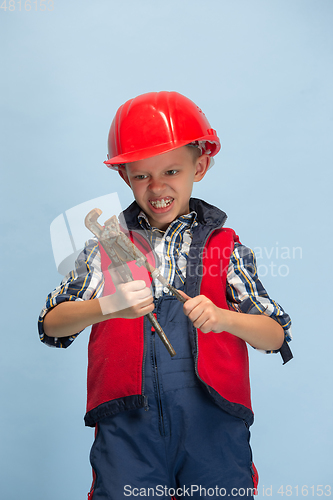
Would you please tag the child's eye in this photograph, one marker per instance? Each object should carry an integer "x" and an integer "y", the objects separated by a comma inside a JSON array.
[
  {"x": 139, "y": 177},
  {"x": 172, "y": 172}
]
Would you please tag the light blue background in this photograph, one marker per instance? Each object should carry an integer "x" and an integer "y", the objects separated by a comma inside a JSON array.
[{"x": 262, "y": 72}]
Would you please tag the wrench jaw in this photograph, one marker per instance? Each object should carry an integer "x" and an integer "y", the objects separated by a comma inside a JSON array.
[
  {"x": 91, "y": 222},
  {"x": 109, "y": 232},
  {"x": 111, "y": 228}
]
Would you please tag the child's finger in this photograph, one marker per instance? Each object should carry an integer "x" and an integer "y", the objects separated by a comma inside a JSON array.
[
  {"x": 197, "y": 316},
  {"x": 191, "y": 303},
  {"x": 135, "y": 286}
]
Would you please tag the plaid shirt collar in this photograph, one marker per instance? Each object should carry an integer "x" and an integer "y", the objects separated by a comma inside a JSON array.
[{"x": 188, "y": 221}]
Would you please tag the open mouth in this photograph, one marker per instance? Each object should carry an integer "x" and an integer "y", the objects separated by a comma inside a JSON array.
[{"x": 162, "y": 203}]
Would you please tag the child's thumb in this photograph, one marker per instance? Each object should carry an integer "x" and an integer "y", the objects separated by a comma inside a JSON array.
[
  {"x": 183, "y": 294},
  {"x": 115, "y": 276}
]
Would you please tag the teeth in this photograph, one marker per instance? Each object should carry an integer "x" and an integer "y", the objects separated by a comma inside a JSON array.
[{"x": 161, "y": 203}]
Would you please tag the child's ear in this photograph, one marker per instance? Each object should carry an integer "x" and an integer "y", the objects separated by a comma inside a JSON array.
[
  {"x": 201, "y": 167},
  {"x": 123, "y": 175}
]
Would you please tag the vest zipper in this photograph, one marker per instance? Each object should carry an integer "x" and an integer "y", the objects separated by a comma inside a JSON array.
[
  {"x": 145, "y": 398},
  {"x": 196, "y": 331},
  {"x": 158, "y": 391}
]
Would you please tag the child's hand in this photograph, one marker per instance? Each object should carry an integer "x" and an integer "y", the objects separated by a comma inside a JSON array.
[
  {"x": 203, "y": 313},
  {"x": 130, "y": 300},
  {"x": 259, "y": 331}
]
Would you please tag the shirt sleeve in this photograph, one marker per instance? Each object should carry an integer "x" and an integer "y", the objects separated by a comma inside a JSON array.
[
  {"x": 246, "y": 294},
  {"x": 84, "y": 283}
]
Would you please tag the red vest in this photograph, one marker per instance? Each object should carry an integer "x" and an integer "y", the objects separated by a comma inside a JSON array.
[{"x": 116, "y": 347}]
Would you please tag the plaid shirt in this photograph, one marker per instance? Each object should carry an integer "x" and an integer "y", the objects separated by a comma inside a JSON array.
[{"x": 245, "y": 292}]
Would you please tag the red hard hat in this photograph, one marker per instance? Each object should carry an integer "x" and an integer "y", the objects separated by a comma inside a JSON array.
[{"x": 157, "y": 122}]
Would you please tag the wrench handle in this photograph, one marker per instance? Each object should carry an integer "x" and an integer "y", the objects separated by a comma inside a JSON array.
[{"x": 161, "y": 334}]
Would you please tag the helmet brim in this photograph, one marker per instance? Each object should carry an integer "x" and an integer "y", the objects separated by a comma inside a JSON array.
[{"x": 143, "y": 154}]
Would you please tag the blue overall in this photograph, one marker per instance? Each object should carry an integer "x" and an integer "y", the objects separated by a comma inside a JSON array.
[{"x": 182, "y": 444}]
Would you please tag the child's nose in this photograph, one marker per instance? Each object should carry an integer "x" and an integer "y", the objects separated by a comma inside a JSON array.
[{"x": 156, "y": 185}]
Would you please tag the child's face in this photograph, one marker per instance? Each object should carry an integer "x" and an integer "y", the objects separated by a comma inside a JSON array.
[{"x": 162, "y": 185}]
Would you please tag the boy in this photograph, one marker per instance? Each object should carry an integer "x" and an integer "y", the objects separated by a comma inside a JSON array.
[{"x": 193, "y": 438}]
